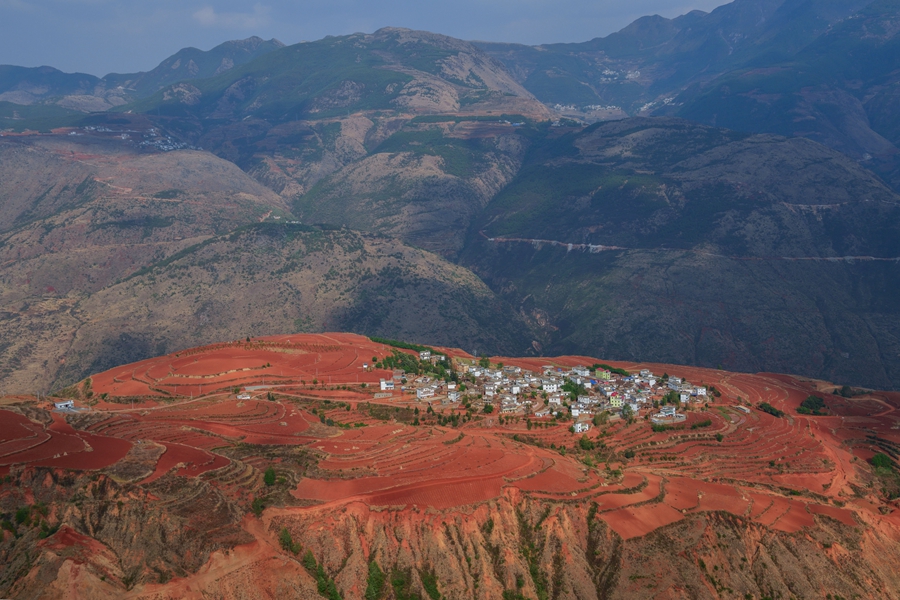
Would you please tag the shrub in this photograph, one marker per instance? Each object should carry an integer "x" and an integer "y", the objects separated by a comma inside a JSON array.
[
  {"x": 879, "y": 461},
  {"x": 269, "y": 476},
  {"x": 23, "y": 516},
  {"x": 375, "y": 582},
  {"x": 813, "y": 405},
  {"x": 429, "y": 582},
  {"x": 700, "y": 424},
  {"x": 257, "y": 506},
  {"x": 287, "y": 542},
  {"x": 719, "y": 437},
  {"x": 768, "y": 408}
]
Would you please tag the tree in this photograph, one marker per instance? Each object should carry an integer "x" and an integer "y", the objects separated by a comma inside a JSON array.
[
  {"x": 627, "y": 412},
  {"x": 601, "y": 419},
  {"x": 488, "y": 409},
  {"x": 881, "y": 461},
  {"x": 484, "y": 362},
  {"x": 269, "y": 476}
]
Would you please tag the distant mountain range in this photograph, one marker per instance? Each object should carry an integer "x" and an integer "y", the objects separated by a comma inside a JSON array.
[{"x": 734, "y": 201}]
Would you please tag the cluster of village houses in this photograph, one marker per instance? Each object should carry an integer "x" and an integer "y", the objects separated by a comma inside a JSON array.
[{"x": 511, "y": 390}]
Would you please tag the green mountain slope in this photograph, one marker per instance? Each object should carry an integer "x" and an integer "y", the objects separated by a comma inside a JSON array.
[
  {"x": 726, "y": 249},
  {"x": 191, "y": 63},
  {"x": 649, "y": 62},
  {"x": 840, "y": 90},
  {"x": 394, "y": 69}
]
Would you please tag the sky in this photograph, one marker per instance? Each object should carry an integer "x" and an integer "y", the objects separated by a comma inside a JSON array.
[{"x": 124, "y": 36}]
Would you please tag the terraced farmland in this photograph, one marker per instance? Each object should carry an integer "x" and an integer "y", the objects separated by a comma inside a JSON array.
[{"x": 308, "y": 445}]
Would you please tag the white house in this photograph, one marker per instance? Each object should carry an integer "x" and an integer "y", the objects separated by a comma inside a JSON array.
[
  {"x": 243, "y": 396},
  {"x": 582, "y": 427},
  {"x": 582, "y": 371},
  {"x": 667, "y": 411},
  {"x": 425, "y": 355},
  {"x": 453, "y": 396},
  {"x": 699, "y": 391},
  {"x": 65, "y": 404},
  {"x": 550, "y": 386},
  {"x": 387, "y": 385},
  {"x": 685, "y": 397},
  {"x": 425, "y": 392}
]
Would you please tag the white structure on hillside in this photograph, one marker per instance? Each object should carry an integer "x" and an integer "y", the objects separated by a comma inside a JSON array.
[{"x": 64, "y": 405}]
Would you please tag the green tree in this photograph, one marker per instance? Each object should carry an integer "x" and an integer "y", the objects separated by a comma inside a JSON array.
[
  {"x": 488, "y": 409},
  {"x": 881, "y": 461},
  {"x": 375, "y": 582},
  {"x": 269, "y": 476}
]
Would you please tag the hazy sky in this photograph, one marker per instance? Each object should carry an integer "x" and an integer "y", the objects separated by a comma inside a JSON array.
[{"x": 102, "y": 36}]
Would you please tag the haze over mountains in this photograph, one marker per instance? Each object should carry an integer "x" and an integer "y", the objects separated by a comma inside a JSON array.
[{"x": 741, "y": 210}]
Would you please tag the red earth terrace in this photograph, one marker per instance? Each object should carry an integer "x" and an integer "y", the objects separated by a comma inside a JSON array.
[{"x": 285, "y": 465}]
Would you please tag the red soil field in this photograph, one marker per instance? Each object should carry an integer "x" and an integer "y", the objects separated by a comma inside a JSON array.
[
  {"x": 756, "y": 470},
  {"x": 635, "y": 522}
]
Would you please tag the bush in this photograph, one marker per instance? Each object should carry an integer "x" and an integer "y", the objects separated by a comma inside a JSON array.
[
  {"x": 879, "y": 461},
  {"x": 719, "y": 437},
  {"x": 429, "y": 582},
  {"x": 375, "y": 582},
  {"x": 287, "y": 542},
  {"x": 629, "y": 454},
  {"x": 813, "y": 405},
  {"x": 23, "y": 516},
  {"x": 257, "y": 506},
  {"x": 269, "y": 476},
  {"x": 585, "y": 443},
  {"x": 768, "y": 408},
  {"x": 488, "y": 409},
  {"x": 700, "y": 424}
]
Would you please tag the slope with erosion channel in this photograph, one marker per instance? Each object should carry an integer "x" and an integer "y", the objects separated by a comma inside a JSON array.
[
  {"x": 168, "y": 482},
  {"x": 259, "y": 280},
  {"x": 392, "y": 69},
  {"x": 646, "y": 64},
  {"x": 425, "y": 184},
  {"x": 841, "y": 90},
  {"x": 730, "y": 251},
  {"x": 82, "y": 211}
]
